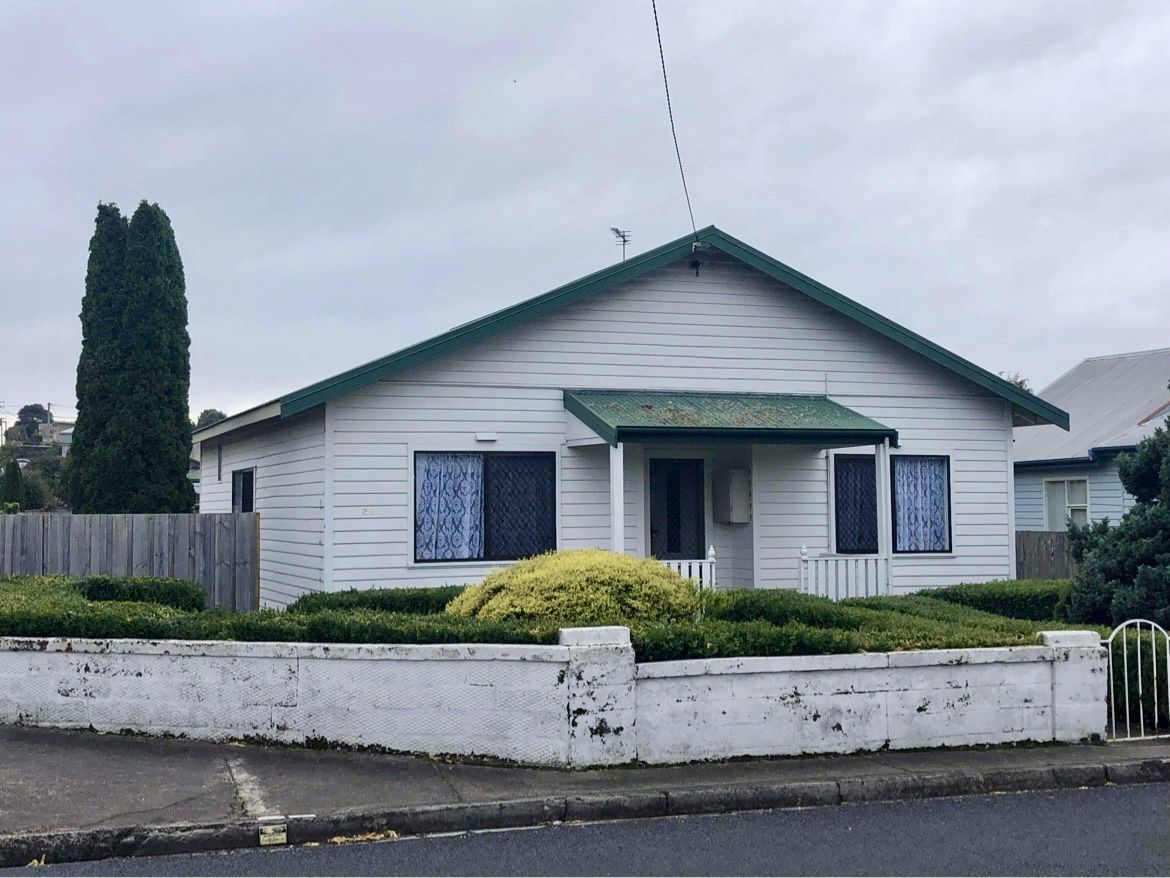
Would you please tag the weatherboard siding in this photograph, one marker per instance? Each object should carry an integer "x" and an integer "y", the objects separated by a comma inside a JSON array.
[
  {"x": 1107, "y": 498},
  {"x": 731, "y": 329},
  {"x": 289, "y": 488}
]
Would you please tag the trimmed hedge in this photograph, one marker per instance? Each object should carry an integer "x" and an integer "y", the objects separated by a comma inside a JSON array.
[
  {"x": 1036, "y": 599},
  {"x": 737, "y": 623},
  {"x": 177, "y": 593},
  {"x": 718, "y": 638},
  {"x": 390, "y": 600}
]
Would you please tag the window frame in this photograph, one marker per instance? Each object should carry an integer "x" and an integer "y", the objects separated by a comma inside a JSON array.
[
  {"x": 1087, "y": 505},
  {"x": 486, "y": 559},
  {"x": 833, "y": 505},
  {"x": 950, "y": 547},
  {"x": 241, "y": 472}
]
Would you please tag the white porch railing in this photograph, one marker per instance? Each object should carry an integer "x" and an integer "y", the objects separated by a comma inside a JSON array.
[
  {"x": 702, "y": 570},
  {"x": 844, "y": 576}
]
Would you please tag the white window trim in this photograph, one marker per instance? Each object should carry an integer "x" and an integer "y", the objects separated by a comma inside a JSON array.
[
  {"x": 1088, "y": 504},
  {"x": 440, "y": 444},
  {"x": 949, "y": 553}
]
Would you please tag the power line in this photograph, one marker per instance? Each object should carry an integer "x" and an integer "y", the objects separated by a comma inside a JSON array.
[{"x": 670, "y": 113}]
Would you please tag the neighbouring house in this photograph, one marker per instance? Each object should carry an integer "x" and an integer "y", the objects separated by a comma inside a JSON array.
[
  {"x": 701, "y": 396},
  {"x": 1114, "y": 403},
  {"x": 51, "y": 432},
  {"x": 65, "y": 439}
]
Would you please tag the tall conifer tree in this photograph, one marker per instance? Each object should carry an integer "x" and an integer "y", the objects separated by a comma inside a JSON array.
[
  {"x": 151, "y": 426},
  {"x": 135, "y": 371},
  {"x": 91, "y": 468}
]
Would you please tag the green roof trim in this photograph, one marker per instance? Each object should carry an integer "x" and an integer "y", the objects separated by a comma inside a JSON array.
[
  {"x": 660, "y": 416},
  {"x": 1027, "y": 408}
]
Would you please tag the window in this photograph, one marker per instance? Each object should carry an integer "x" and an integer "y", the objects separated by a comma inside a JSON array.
[
  {"x": 921, "y": 498},
  {"x": 472, "y": 506},
  {"x": 243, "y": 490},
  {"x": 1065, "y": 499},
  {"x": 855, "y": 504}
]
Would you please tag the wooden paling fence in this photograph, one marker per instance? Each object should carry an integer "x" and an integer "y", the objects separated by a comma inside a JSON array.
[
  {"x": 219, "y": 550},
  {"x": 1043, "y": 554}
]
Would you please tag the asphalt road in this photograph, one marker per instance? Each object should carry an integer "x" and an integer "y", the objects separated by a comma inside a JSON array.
[{"x": 1100, "y": 831}]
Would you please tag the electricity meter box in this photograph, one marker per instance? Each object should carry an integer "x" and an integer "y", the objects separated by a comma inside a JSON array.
[{"x": 732, "y": 501}]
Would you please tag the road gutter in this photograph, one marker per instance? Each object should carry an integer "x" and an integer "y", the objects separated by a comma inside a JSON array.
[{"x": 137, "y": 841}]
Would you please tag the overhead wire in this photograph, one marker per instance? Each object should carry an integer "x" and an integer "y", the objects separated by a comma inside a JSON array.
[{"x": 670, "y": 112}]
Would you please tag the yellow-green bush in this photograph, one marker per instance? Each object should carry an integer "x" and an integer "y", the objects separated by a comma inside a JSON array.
[{"x": 581, "y": 587}]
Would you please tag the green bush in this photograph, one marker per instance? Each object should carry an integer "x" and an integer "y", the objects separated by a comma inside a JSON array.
[
  {"x": 391, "y": 600},
  {"x": 177, "y": 593},
  {"x": 54, "y": 607},
  {"x": 1124, "y": 571},
  {"x": 581, "y": 587},
  {"x": 1036, "y": 599}
]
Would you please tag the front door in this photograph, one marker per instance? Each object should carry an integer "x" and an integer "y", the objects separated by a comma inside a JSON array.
[{"x": 676, "y": 509}]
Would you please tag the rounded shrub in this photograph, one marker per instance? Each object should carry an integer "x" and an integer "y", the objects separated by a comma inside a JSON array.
[{"x": 581, "y": 587}]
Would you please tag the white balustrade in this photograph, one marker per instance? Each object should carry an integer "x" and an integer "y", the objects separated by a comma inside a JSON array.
[
  {"x": 702, "y": 569},
  {"x": 844, "y": 576}
]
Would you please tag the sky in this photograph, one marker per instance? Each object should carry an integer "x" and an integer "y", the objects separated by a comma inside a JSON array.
[{"x": 345, "y": 179}]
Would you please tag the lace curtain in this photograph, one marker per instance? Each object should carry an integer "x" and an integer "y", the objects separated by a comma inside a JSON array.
[
  {"x": 921, "y": 504},
  {"x": 448, "y": 502}
]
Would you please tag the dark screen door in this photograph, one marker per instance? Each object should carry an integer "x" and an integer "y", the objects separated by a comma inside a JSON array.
[{"x": 676, "y": 509}]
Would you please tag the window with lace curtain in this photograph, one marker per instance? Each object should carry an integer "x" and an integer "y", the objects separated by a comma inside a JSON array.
[
  {"x": 489, "y": 506},
  {"x": 921, "y": 497}
]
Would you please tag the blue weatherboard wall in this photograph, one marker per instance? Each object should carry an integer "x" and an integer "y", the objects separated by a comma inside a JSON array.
[{"x": 1107, "y": 498}]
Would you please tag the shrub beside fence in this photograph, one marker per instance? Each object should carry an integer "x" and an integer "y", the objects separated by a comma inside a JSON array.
[{"x": 221, "y": 551}]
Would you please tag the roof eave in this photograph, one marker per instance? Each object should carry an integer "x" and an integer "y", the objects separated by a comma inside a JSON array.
[
  {"x": 750, "y": 436},
  {"x": 1028, "y": 409}
]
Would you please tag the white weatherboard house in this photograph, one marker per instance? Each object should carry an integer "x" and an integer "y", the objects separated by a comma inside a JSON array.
[
  {"x": 701, "y": 396},
  {"x": 1115, "y": 402}
]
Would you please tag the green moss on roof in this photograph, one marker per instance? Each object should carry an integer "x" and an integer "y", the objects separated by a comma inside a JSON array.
[{"x": 646, "y": 415}]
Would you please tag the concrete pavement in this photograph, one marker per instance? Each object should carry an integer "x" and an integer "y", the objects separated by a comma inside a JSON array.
[{"x": 78, "y": 795}]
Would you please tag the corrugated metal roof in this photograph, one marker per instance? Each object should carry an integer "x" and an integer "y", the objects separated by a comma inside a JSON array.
[
  {"x": 1113, "y": 402},
  {"x": 650, "y": 415}
]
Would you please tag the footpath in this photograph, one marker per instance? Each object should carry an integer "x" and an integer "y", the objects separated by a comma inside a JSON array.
[{"x": 77, "y": 795}]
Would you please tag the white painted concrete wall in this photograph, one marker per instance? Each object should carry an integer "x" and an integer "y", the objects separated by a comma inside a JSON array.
[
  {"x": 583, "y": 702},
  {"x": 535, "y": 704},
  {"x": 720, "y": 708},
  {"x": 730, "y": 329},
  {"x": 1107, "y": 498}
]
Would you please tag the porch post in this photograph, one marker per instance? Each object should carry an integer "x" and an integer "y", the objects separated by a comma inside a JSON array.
[
  {"x": 617, "y": 496},
  {"x": 885, "y": 520}
]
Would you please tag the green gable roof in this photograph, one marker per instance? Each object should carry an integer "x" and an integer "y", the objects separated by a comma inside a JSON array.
[
  {"x": 1027, "y": 409},
  {"x": 650, "y": 416}
]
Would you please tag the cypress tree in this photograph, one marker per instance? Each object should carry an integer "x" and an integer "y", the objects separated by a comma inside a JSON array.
[
  {"x": 91, "y": 469},
  {"x": 11, "y": 485},
  {"x": 150, "y": 428}
]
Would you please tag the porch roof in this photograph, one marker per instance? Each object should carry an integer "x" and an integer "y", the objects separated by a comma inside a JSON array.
[{"x": 654, "y": 416}]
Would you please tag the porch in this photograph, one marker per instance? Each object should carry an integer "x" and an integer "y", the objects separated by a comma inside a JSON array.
[{"x": 734, "y": 490}]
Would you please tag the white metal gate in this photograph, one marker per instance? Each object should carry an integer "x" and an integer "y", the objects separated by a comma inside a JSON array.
[{"x": 1139, "y": 681}]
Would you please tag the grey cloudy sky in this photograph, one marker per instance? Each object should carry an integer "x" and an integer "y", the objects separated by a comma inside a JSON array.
[{"x": 347, "y": 178}]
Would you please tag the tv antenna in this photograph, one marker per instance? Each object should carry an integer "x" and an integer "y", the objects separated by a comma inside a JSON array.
[{"x": 623, "y": 239}]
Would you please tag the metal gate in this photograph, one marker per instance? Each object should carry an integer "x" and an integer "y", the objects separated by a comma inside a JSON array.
[{"x": 1139, "y": 681}]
